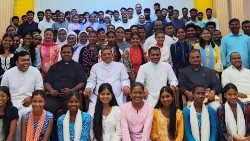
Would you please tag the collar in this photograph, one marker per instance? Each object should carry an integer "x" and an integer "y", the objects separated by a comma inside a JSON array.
[
  {"x": 236, "y": 68},
  {"x": 231, "y": 34}
]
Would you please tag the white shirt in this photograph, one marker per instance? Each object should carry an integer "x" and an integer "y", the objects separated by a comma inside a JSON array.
[
  {"x": 44, "y": 24},
  {"x": 111, "y": 125},
  {"x": 114, "y": 73},
  {"x": 154, "y": 77},
  {"x": 241, "y": 79},
  {"x": 22, "y": 84},
  {"x": 151, "y": 41},
  {"x": 74, "y": 26}
]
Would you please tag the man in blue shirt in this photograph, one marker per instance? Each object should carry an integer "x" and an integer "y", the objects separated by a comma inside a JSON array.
[{"x": 235, "y": 41}]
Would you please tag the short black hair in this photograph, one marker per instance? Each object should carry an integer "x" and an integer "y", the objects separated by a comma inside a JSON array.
[
  {"x": 146, "y": 10},
  {"x": 245, "y": 22},
  {"x": 200, "y": 13},
  {"x": 65, "y": 46},
  {"x": 40, "y": 12},
  {"x": 14, "y": 17},
  {"x": 48, "y": 10},
  {"x": 20, "y": 54},
  {"x": 191, "y": 25},
  {"x": 184, "y": 8},
  {"x": 30, "y": 11},
  {"x": 197, "y": 86},
  {"x": 211, "y": 23},
  {"x": 193, "y": 9},
  {"x": 100, "y": 29},
  {"x": 209, "y": 9},
  {"x": 157, "y": 4},
  {"x": 233, "y": 20}
]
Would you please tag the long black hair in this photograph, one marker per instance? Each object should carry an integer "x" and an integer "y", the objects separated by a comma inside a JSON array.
[
  {"x": 117, "y": 57},
  {"x": 202, "y": 41},
  {"x": 172, "y": 111},
  {"x": 12, "y": 48},
  {"x": 140, "y": 47},
  {"x": 97, "y": 120},
  {"x": 32, "y": 51},
  {"x": 7, "y": 111}
]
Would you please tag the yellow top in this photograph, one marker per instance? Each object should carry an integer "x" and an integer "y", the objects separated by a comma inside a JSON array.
[
  {"x": 161, "y": 124},
  {"x": 217, "y": 56}
]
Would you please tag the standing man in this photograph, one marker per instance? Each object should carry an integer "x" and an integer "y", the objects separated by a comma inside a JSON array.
[
  {"x": 110, "y": 72},
  {"x": 138, "y": 9},
  {"x": 235, "y": 41},
  {"x": 46, "y": 23},
  {"x": 156, "y": 74},
  {"x": 176, "y": 21},
  {"x": 27, "y": 26},
  {"x": 210, "y": 18},
  {"x": 22, "y": 80},
  {"x": 246, "y": 27},
  {"x": 193, "y": 14}
]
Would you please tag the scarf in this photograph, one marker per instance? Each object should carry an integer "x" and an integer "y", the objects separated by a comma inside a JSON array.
[
  {"x": 204, "y": 134},
  {"x": 78, "y": 126},
  {"x": 30, "y": 134},
  {"x": 48, "y": 44},
  {"x": 61, "y": 43},
  {"x": 233, "y": 126},
  {"x": 209, "y": 64}
]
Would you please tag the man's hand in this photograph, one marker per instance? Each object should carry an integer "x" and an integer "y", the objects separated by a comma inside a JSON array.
[
  {"x": 242, "y": 95},
  {"x": 66, "y": 91},
  {"x": 189, "y": 95},
  {"x": 87, "y": 92},
  {"x": 126, "y": 90},
  {"x": 27, "y": 101},
  {"x": 53, "y": 93}
]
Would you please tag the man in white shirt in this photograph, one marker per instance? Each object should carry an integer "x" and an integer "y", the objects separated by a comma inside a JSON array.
[
  {"x": 22, "y": 80},
  {"x": 210, "y": 18},
  {"x": 151, "y": 41},
  {"x": 110, "y": 72},
  {"x": 156, "y": 74},
  {"x": 46, "y": 23},
  {"x": 238, "y": 75}
]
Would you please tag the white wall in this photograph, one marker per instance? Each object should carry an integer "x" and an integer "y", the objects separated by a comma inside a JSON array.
[{"x": 96, "y": 5}]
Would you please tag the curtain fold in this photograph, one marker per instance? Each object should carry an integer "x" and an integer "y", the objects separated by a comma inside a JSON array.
[
  {"x": 222, "y": 14},
  {"x": 6, "y": 12}
]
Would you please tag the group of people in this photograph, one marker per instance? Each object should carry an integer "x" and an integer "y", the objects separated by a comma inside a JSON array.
[{"x": 143, "y": 77}]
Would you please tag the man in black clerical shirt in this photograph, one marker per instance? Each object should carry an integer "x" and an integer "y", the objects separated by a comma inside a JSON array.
[{"x": 64, "y": 77}]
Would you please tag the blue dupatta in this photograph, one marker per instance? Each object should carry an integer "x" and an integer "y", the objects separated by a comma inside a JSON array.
[{"x": 204, "y": 62}]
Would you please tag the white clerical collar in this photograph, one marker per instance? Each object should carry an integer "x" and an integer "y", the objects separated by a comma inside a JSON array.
[{"x": 107, "y": 65}]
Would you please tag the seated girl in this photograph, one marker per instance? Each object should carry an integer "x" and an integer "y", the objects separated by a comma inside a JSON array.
[
  {"x": 75, "y": 124},
  {"x": 8, "y": 116},
  {"x": 106, "y": 121},
  {"x": 136, "y": 116},
  {"x": 200, "y": 121},
  {"x": 233, "y": 117},
  {"x": 168, "y": 121},
  {"x": 37, "y": 124}
]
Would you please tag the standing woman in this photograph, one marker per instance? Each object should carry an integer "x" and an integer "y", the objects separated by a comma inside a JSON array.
[
  {"x": 167, "y": 118},
  {"x": 233, "y": 118},
  {"x": 74, "y": 26},
  {"x": 75, "y": 124},
  {"x": 83, "y": 38},
  {"x": 165, "y": 49},
  {"x": 37, "y": 39},
  {"x": 61, "y": 37},
  {"x": 210, "y": 52},
  {"x": 34, "y": 52},
  {"x": 102, "y": 41},
  {"x": 8, "y": 116},
  {"x": 133, "y": 57},
  {"x": 49, "y": 51},
  {"x": 89, "y": 54},
  {"x": 117, "y": 53},
  {"x": 136, "y": 116},
  {"x": 179, "y": 51},
  {"x": 37, "y": 124},
  {"x": 72, "y": 41},
  {"x": 6, "y": 53},
  {"x": 120, "y": 38},
  {"x": 106, "y": 117},
  {"x": 200, "y": 120}
]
